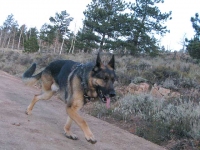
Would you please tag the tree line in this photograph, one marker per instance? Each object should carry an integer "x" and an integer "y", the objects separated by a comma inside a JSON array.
[
  {"x": 108, "y": 25},
  {"x": 50, "y": 37}
]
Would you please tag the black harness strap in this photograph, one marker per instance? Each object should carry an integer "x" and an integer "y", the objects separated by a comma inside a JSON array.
[{"x": 81, "y": 72}]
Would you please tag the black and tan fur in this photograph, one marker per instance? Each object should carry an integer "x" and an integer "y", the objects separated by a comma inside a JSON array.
[{"x": 75, "y": 82}]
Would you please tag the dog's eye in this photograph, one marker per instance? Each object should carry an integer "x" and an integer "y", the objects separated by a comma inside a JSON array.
[
  {"x": 105, "y": 79},
  {"x": 113, "y": 79}
]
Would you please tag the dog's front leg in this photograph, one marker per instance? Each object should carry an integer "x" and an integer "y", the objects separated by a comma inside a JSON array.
[{"x": 73, "y": 114}]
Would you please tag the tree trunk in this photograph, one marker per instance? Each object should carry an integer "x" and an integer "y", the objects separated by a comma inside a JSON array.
[
  {"x": 39, "y": 50},
  {"x": 73, "y": 44},
  {"x": 138, "y": 34},
  {"x": 62, "y": 42},
  {"x": 71, "y": 50},
  {"x": 4, "y": 39},
  {"x": 13, "y": 43},
  {"x": 102, "y": 42},
  {"x": 30, "y": 34},
  {"x": 61, "y": 47},
  {"x": 56, "y": 41},
  {"x": 9, "y": 40},
  {"x": 1, "y": 36},
  {"x": 20, "y": 37}
]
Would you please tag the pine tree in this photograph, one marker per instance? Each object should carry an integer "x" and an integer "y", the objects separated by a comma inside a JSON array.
[
  {"x": 193, "y": 45},
  {"x": 61, "y": 22},
  {"x": 196, "y": 25},
  {"x": 99, "y": 27},
  {"x": 147, "y": 21},
  {"x": 47, "y": 35},
  {"x": 31, "y": 45},
  {"x": 8, "y": 30},
  {"x": 31, "y": 41},
  {"x": 86, "y": 40}
]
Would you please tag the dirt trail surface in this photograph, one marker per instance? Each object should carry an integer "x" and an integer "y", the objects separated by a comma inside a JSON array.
[{"x": 43, "y": 130}]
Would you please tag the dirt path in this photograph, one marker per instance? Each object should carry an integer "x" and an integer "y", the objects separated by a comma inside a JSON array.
[{"x": 44, "y": 128}]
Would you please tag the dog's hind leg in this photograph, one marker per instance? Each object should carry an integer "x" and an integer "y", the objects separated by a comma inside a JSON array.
[
  {"x": 47, "y": 92},
  {"x": 44, "y": 96},
  {"x": 73, "y": 114},
  {"x": 68, "y": 133}
]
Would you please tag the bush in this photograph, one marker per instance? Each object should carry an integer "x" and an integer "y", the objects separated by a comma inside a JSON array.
[
  {"x": 162, "y": 73},
  {"x": 99, "y": 110},
  {"x": 162, "y": 120},
  {"x": 144, "y": 106},
  {"x": 181, "y": 118}
]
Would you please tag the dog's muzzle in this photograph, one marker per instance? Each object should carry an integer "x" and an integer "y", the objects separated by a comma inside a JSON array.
[{"x": 106, "y": 98}]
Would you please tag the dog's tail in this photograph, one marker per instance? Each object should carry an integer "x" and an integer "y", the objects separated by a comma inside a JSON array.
[{"x": 28, "y": 77}]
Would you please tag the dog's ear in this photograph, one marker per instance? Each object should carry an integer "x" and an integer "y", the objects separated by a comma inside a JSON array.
[
  {"x": 112, "y": 62},
  {"x": 99, "y": 64}
]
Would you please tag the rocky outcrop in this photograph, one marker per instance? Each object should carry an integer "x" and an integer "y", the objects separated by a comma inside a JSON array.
[{"x": 156, "y": 91}]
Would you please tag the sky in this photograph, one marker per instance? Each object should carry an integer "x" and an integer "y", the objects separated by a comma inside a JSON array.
[{"x": 34, "y": 13}]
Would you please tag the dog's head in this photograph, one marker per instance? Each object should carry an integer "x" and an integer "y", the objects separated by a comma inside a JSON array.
[{"x": 104, "y": 77}]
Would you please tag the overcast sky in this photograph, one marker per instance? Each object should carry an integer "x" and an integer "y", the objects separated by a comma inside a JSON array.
[{"x": 34, "y": 13}]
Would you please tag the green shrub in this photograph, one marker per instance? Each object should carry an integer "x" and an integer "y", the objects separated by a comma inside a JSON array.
[
  {"x": 144, "y": 106},
  {"x": 163, "y": 120},
  {"x": 169, "y": 84},
  {"x": 154, "y": 131},
  {"x": 162, "y": 73},
  {"x": 187, "y": 83},
  {"x": 99, "y": 110},
  {"x": 181, "y": 118}
]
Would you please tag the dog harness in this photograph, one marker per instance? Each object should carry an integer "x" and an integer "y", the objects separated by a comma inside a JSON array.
[{"x": 81, "y": 70}]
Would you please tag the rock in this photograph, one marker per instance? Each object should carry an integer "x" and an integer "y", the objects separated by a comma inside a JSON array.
[
  {"x": 139, "y": 80},
  {"x": 175, "y": 95},
  {"x": 137, "y": 89},
  {"x": 154, "y": 92},
  {"x": 16, "y": 124},
  {"x": 163, "y": 91}
]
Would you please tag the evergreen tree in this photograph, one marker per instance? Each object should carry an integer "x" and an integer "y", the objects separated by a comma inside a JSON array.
[
  {"x": 31, "y": 41},
  {"x": 31, "y": 45},
  {"x": 86, "y": 40},
  {"x": 44, "y": 32},
  {"x": 193, "y": 45},
  {"x": 147, "y": 21},
  {"x": 61, "y": 22},
  {"x": 9, "y": 23},
  {"x": 47, "y": 35},
  {"x": 99, "y": 28},
  {"x": 8, "y": 30},
  {"x": 196, "y": 25},
  {"x": 108, "y": 25},
  {"x": 32, "y": 32}
]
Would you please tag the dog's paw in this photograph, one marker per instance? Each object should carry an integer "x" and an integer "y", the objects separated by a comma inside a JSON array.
[
  {"x": 71, "y": 136},
  {"x": 28, "y": 112},
  {"x": 91, "y": 139}
]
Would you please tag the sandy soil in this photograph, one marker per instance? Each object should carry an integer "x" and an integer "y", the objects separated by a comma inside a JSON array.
[{"x": 44, "y": 128}]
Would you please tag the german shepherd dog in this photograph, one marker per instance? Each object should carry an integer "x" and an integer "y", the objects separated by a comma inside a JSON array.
[{"x": 76, "y": 83}]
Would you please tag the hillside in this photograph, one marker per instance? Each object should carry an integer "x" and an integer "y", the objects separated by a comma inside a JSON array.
[
  {"x": 169, "y": 118},
  {"x": 44, "y": 128}
]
